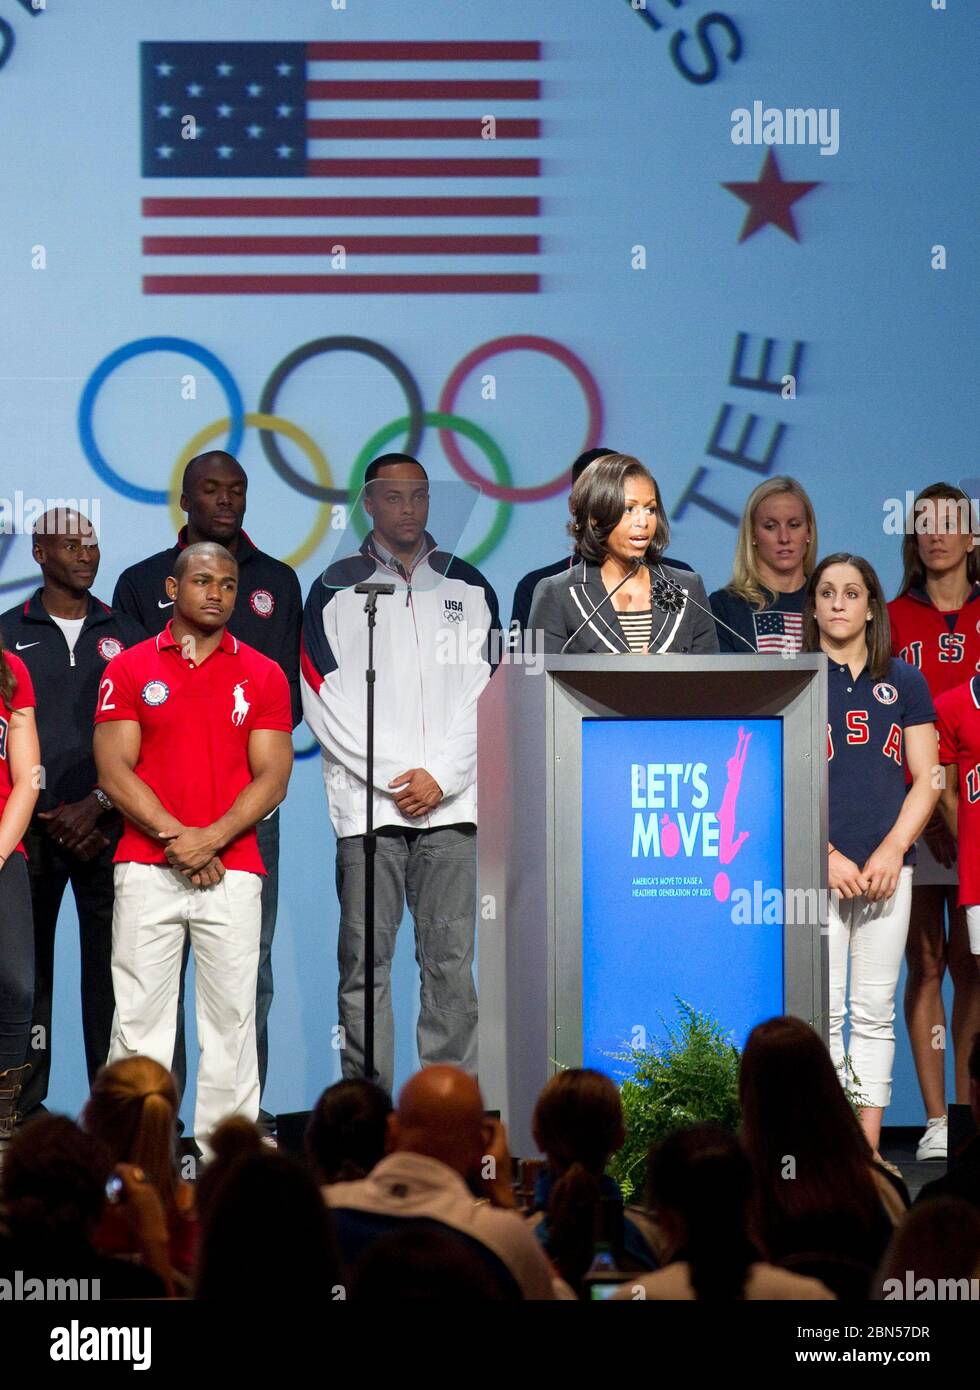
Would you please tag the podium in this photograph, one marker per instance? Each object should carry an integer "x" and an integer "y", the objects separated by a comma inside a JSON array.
[{"x": 650, "y": 828}]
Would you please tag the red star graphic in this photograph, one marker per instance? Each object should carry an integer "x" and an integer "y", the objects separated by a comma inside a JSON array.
[{"x": 769, "y": 200}]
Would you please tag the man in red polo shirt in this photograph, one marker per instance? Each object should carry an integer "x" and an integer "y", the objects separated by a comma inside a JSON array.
[{"x": 193, "y": 744}]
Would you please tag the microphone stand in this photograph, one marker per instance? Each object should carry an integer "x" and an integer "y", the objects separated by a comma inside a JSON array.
[
  {"x": 636, "y": 565},
  {"x": 373, "y": 592},
  {"x": 673, "y": 588}
]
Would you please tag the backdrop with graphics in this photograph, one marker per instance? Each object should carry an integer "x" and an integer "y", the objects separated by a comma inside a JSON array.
[
  {"x": 733, "y": 239},
  {"x": 682, "y": 835}
]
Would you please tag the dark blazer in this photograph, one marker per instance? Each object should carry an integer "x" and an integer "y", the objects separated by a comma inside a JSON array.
[
  {"x": 524, "y": 593},
  {"x": 567, "y": 600}
]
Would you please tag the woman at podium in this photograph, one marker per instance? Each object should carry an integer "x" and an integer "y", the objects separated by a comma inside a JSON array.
[{"x": 619, "y": 598}]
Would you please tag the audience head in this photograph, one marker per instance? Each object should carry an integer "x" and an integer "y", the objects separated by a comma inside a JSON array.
[
  {"x": 939, "y": 536},
  {"x": 776, "y": 536},
  {"x": 615, "y": 501},
  {"x": 699, "y": 1183},
  {"x": 266, "y": 1232},
  {"x": 422, "y": 1265},
  {"x": 440, "y": 1115},
  {"x": 578, "y": 1120},
  {"x": 53, "y": 1181},
  {"x": 938, "y": 1241},
  {"x": 346, "y": 1134},
  {"x": 132, "y": 1108},
  {"x": 578, "y": 1125},
  {"x": 213, "y": 496},
  {"x": 844, "y": 597},
  {"x": 786, "y": 1079}
]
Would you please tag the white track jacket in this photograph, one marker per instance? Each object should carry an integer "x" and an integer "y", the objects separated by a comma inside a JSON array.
[{"x": 431, "y": 657}]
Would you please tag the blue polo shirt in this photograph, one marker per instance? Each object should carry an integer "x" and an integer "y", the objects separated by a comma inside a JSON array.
[{"x": 865, "y": 746}]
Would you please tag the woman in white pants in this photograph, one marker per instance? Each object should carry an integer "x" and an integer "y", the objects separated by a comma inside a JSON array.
[{"x": 880, "y": 717}]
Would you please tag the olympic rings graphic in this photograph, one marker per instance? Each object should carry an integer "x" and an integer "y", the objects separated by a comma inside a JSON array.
[
  {"x": 236, "y": 408},
  {"x": 261, "y": 420},
  {"x": 316, "y": 348},
  {"x": 466, "y": 427},
  {"x": 512, "y": 343},
  {"x": 501, "y": 488}
]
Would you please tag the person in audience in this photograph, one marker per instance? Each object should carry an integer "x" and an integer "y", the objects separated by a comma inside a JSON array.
[
  {"x": 132, "y": 1108},
  {"x": 437, "y": 1140},
  {"x": 699, "y": 1185},
  {"x": 934, "y": 1254},
  {"x": 20, "y": 757},
  {"x": 619, "y": 596},
  {"x": 879, "y": 711},
  {"x": 963, "y": 1178},
  {"x": 422, "y": 1265},
  {"x": 935, "y": 626},
  {"x": 578, "y": 1124},
  {"x": 819, "y": 1199},
  {"x": 266, "y": 1233},
  {"x": 345, "y": 1136},
  {"x": 54, "y": 1192},
  {"x": 761, "y": 606},
  {"x": 524, "y": 593}
]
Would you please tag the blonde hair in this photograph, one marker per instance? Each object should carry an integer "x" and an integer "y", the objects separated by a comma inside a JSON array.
[
  {"x": 132, "y": 1108},
  {"x": 746, "y": 581}
]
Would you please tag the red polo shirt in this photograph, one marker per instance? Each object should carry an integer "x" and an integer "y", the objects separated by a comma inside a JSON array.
[
  {"x": 22, "y": 698},
  {"x": 195, "y": 722}
]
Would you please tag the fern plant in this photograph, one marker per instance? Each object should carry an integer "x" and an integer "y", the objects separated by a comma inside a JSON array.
[{"x": 689, "y": 1077}]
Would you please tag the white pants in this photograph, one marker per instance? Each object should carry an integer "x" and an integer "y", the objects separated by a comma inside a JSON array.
[
  {"x": 973, "y": 928},
  {"x": 154, "y": 907},
  {"x": 873, "y": 935}
]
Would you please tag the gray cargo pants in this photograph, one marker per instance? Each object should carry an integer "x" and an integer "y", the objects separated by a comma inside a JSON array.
[{"x": 436, "y": 871}]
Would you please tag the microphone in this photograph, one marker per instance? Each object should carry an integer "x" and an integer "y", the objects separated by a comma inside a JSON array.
[
  {"x": 669, "y": 595},
  {"x": 636, "y": 565}
]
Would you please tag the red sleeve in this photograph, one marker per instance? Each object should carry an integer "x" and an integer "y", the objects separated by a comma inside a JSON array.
[
  {"x": 946, "y": 728},
  {"x": 117, "y": 693},
  {"x": 23, "y": 696},
  {"x": 275, "y": 710}
]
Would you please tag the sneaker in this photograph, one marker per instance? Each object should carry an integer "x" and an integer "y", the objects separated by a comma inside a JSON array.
[{"x": 934, "y": 1141}]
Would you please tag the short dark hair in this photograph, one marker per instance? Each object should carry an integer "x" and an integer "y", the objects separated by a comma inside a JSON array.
[
  {"x": 191, "y": 552},
  {"x": 210, "y": 456},
  {"x": 597, "y": 506},
  {"x": 345, "y": 1136},
  {"x": 386, "y": 460},
  {"x": 587, "y": 457},
  {"x": 878, "y": 637}
]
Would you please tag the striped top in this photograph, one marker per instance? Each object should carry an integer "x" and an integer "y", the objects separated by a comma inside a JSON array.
[{"x": 637, "y": 629}]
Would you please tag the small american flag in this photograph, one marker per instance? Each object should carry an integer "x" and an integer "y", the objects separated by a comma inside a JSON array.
[
  {"x": 229, "y": 111},
  {"x": 778, "y": 632}
]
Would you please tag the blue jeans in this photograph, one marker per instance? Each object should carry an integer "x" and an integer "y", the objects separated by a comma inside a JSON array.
[
  {"x": 267, "y": 832},
  {"x": 436, "y": 871},
  {"x": 16, "y": 962}
]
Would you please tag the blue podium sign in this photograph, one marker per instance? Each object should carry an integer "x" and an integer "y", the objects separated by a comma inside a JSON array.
[{"x": 682, "y": 876}]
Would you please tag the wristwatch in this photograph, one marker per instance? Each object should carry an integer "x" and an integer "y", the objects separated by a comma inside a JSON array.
[{"x": 102, "y": 799}]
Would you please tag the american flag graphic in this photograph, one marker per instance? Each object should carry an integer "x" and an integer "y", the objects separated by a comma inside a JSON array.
[
  {"x": 778, "y": 632},
  {"x": 394, "y": 166}
]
